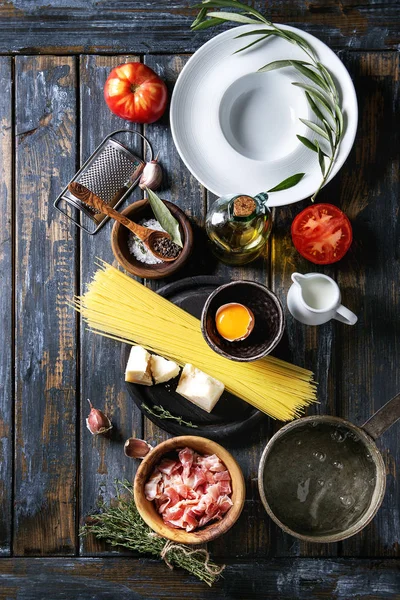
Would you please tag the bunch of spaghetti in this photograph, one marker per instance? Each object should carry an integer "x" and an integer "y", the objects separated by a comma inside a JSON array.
[{"x": 121, "y": 308}]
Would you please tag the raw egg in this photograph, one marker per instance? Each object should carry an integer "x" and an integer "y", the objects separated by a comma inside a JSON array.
[{"x": 234, "y": 321}]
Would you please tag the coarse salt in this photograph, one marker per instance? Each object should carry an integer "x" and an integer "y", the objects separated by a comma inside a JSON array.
[{"x": 137, "y": 247}]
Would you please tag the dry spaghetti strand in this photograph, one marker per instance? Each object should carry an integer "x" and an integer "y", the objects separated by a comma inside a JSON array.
[{"x": 118, "y": 307}]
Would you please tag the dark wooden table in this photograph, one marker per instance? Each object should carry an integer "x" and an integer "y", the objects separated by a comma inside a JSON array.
[{"x": 53, "y": 64}]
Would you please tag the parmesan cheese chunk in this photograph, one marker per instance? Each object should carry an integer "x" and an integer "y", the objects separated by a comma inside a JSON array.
[
  {"x": 199, "y": 388},
  {"x": 162, "y": 369},
  {"x": 138, "y": 369}
]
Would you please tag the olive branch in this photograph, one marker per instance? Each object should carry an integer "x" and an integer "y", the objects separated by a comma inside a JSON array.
[{"x": 321, "y": 93}]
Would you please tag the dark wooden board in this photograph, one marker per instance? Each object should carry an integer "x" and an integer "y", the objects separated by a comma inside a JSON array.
[
  {"x": 251, "y": 534},
  {"x": 351, "y": 368},
  {"x": 178, "y": 186},
  {"x": 6, "y": 306},
  {"x": 356, "y": 372},
  {"x": 102, "y": 361},
  {"x": 130, "y": 578},
  {"x": 147, "y": 26},
  {"x": 45, "y": 373},
  {"x": 231, "y": 417}
]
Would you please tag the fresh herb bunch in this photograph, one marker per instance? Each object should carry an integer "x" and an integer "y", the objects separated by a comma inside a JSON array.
[
  {"x": 162, "y": 413},
  {"x": 120, "y": 524},
  {"x": 321, "y": 93}
]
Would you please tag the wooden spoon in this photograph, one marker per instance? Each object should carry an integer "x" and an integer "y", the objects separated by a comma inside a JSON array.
[{"x": 146, "y": 235}]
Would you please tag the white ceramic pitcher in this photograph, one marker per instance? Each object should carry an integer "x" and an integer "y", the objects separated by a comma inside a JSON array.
[{"x": 314, "y": 299}]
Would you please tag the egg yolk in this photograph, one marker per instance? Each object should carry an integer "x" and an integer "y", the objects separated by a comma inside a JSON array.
[{"x": 234, "y": 321}]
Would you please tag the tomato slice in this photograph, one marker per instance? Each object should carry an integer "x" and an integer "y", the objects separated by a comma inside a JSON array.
[{"x": 322, "y": 233}]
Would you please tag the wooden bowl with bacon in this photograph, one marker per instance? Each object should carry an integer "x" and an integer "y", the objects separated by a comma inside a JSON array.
[{"x": 189, "y": 489}]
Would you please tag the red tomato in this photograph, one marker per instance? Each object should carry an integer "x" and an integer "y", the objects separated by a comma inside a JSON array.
[
  {"x": 322, "y": 233},
  {"x": 135, "y": 93}
]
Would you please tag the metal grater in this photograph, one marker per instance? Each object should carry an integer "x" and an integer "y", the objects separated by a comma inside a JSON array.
[{"x": 111, "y": 172}]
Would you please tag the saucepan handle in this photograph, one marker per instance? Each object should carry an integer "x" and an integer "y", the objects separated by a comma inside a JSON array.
[{"x": 384, "y": 418}]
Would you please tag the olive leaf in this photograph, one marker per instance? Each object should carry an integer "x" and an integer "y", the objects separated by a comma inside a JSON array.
[
  {"x": 230, "y": 16},
  {"x": 279, "y": 64},
  {"x": 310, "y": 74},
  {"x": 328, "y": 77},
  {"x": 314, "y": 107},
  {"x": 164, "y": 217},
  {"x": 339, "y": 116},
  {"x": 287, "y": 183},
  {"x": 254, "y": 32},
  {"x": 307, "y": 143},
  {"x": 321, "y": 158},
  {"x": 207, "y": 23},
  {"x": 316, "y": 128},
  {"x": 251, "y": 44},
  {"x": 233, "y": 4}
]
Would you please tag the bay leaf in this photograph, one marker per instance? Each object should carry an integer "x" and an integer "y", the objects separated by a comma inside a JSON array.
[{"x": 164, "y": 217}]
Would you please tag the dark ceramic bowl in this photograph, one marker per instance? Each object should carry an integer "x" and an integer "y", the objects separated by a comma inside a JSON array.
[
  {"x": 268, "y": 314},
  {"x": 119, "y": 242}
]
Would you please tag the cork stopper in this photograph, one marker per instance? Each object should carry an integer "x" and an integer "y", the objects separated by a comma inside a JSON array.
[{"x": 243, "y": 206}]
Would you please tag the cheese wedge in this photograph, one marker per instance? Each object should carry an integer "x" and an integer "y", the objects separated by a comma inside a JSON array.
[
  {"x": 199, "y": 388},
  {"x": 138, "y": 369},
  {"x": 162, "y": 369}
]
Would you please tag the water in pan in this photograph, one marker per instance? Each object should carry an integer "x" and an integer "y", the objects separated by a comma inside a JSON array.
[{"x": 319, "y": 479}]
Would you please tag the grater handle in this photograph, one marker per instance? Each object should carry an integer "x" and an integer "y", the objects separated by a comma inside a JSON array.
[{"x": 85, "y": 195}]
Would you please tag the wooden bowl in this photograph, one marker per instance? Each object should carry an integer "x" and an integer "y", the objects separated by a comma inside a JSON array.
[
  {"x": 148, "y": 510},
  {"x": 268, "y": 325},
  {"x": 119, "y": 242}
]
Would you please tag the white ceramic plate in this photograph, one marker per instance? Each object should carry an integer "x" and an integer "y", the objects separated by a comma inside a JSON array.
[{"x": 235, "y": 129}]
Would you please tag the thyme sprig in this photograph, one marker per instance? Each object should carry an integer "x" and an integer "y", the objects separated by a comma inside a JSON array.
[
  {"x": 321, "y": 93},
  {"x": 120, "y": 524},
  {"x": 162, "y": 413}
]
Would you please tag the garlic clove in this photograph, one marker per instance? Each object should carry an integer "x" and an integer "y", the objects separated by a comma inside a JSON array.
[
  {"x": 151, "y": 176},
  {"x": 97, "y": 422},
  {"x": 135, "y": 448}
]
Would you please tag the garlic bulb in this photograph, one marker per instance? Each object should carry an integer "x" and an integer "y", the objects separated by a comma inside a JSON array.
[
  {"x": 97, "y": 422},
  {"x": 135, "y": 448},
  {"x": 152, "y": 176}
]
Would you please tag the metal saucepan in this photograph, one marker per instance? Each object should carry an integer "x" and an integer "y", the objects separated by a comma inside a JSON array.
[{"x": 322, "y": 479}]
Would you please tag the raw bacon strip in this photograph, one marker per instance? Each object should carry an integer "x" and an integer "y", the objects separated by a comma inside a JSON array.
[
  {"x": 186, "y": 459},
  {"x": 222, "y": 476},
  {"x": 150, "y": 489},
  {"x": 168, "y": 466}
]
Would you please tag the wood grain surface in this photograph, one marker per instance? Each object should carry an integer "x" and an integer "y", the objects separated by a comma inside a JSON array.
[
  {"x": 178, "y": 186},
  {"x": 45, "y": 346},
  {"x": 6, "y": 307},
  {"x": 52, "y": 470},
  {"x": 102, "y": 361},
  {"x": 148, "y": 26},
  {"x": 130, "y": 579}
]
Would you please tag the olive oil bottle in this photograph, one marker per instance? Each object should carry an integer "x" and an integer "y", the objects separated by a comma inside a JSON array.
[{"x": 239, "y": 227}]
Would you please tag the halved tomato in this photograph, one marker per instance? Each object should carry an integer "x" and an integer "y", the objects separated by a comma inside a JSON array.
[{"x": 322, "y": 233}]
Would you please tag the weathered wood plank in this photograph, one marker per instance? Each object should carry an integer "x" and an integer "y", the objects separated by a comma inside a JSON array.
[
  {"x": 309, "y": 347},
  {"x": 6, "y": 306},
  {"x": 251, "y": 535},
  {"x": 45, "y": 329},
  {"x": 179, "y": 186},
  {"x": 346, "y": 364},
  {"x": 163, "y": 26},
  {"x": 368, "y": 354},
  {"x": 130, "y": 579},
  {"x": 102, "y": 362}
]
